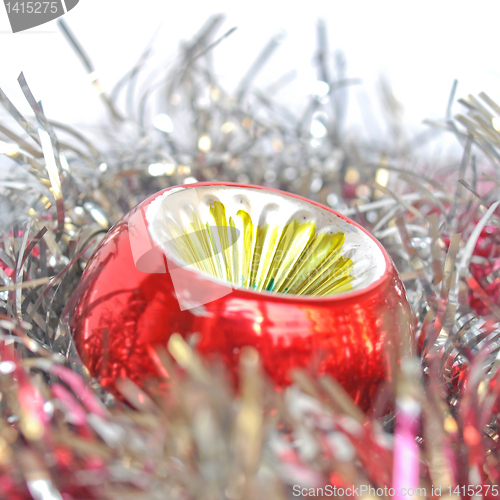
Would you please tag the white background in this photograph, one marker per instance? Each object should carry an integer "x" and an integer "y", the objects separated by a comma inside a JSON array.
[{"x": 420, "y": 46}]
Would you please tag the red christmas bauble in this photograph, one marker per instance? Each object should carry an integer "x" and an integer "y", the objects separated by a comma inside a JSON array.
[
  {"x": 485, "y": 265},
  {"x": 242, "y": 266}
]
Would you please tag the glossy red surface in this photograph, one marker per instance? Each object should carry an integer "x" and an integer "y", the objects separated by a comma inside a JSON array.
[
  {"x": 486, "y": 291},
  {"x": 119, "y": 314}
]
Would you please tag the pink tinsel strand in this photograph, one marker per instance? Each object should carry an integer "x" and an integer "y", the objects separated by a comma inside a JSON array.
[{"x": 406, "y": 463}]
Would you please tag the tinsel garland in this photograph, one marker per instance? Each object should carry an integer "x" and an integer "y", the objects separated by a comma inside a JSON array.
[{"x": 61, "y": 436}]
